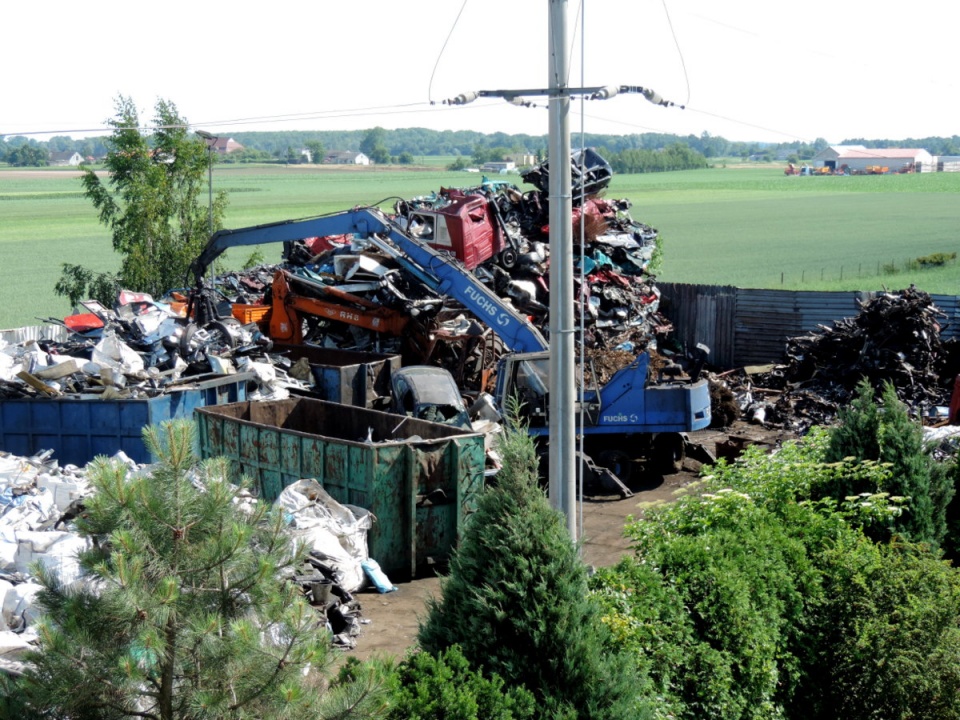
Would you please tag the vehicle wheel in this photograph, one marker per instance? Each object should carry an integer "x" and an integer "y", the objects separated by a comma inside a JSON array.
[
  {"x": 617, "y": 462},
  {"x": 187, "y": 345},
  {"x": 669, "y": 452},
  {"x": 508, "y": 258}
]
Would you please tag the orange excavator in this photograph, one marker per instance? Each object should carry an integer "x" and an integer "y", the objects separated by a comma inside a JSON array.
[{"x": 288, "y": 310}]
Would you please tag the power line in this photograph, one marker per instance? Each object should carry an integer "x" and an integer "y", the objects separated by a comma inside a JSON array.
[
  {"x": 676, "y": 42},
  {"x": 407, "y": 108},
  {"x": 440, "y": 54}
]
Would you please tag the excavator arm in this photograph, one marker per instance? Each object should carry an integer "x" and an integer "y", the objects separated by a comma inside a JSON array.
[{"x": 440, "y": 272}]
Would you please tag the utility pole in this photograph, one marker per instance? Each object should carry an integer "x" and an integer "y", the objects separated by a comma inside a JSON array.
[
  {"x": 210, "y": 140},
  {"x": 563, "y": 440},
  {"x": 562, "y": 387}
]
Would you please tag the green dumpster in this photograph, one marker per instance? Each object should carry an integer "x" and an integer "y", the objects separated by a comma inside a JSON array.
[{"x": 419, "y": 479}]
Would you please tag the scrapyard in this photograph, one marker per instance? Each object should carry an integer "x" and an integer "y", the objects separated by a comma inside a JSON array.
[
  {"x": 295, "y": 365},
  {"x": 456, "y": 280}
]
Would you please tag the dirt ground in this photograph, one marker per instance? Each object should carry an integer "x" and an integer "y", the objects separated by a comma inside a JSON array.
[{"x": 392, "y": 619}]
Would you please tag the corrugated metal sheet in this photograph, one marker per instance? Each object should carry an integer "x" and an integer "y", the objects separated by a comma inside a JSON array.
[
  {"x": 702, "y": 314},
  {"x": 766, "y": 319},
  {"x": 14, "y": 336},
  {"x": 950, "y": 306}
]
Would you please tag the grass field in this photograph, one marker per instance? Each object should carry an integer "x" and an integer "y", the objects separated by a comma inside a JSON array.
[
  {"x": 745, "y": 226},
  {"x": 755, "y": 227}
]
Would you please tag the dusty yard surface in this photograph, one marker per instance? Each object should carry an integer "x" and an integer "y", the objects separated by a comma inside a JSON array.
[{"x": 394, "y": 617}]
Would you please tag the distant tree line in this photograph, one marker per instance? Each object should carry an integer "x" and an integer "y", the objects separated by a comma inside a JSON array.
[
  {"x": 405, "y": 145},
  {"x": 677, "y": 156},
  {"x": 21, "y": 151}
]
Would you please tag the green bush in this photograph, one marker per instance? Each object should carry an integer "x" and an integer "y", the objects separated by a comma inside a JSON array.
[
  {"x": 761, "y": 596},
  {"x": 713, "y": 606},
  {"x": 885, "y": 642},
  {"x": 936, "y": 259},
  {"x": 445, "y": 686},
  {"x": 885, "y": 433}
]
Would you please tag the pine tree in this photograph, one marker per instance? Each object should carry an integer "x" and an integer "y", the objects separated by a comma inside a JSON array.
[
  {"x": 885, "y": 433},
  {"x": 901, "y": 445},
  {"x": 857, "y": 433},
  {"x": 516, "y": 602},
  {"x": 183, "y": 614}
]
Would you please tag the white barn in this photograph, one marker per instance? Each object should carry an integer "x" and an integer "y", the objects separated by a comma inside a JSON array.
[
  {"x": 346, "y": 157},
  {"x": 67, "y": 157},
  {"x": 858, "y": 158},
  {"x": 948, "y": 163}
]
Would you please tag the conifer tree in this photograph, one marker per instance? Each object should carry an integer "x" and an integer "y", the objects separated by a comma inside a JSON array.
[
  {"x": 885, "y": 432},
  {"x": 858, "y": 432},
  {"x": 516, "y": 602},
  {"x": 183, "y": 614}
]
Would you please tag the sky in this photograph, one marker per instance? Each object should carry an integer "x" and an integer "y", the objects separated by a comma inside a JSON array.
[{"x": 746, "y": 70}]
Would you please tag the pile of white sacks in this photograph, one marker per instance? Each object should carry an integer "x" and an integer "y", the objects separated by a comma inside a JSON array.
[
  {"x": 37, "y": 502},
  {"x": 34, "y": 494}
]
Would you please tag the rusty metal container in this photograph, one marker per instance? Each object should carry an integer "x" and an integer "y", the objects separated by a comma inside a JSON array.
[
  {"x": 420, "y": 479},
  {"x": 347, "y": 376}
]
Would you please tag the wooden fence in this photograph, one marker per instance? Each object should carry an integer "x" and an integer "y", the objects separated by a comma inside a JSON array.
[{"x": 745, "y": 327}]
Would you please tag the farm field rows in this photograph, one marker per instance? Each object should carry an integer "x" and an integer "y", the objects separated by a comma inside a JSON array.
[{"x": 750, "y": 227}]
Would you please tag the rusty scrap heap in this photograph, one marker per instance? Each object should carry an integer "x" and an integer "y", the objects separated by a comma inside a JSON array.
[
  {"x": 895, "y": 338},
  {"x": 341, "y": 292}
]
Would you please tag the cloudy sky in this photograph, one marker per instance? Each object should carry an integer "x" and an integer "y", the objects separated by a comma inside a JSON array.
[{"x": 744, "y": 69}]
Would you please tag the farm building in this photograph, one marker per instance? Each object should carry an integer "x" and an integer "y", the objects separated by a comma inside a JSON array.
[
  {"x": 499, "y": 167},
  {"x": 948, "y": 163},
  {"x": 346, "y": 157},
  {"x": 522, "y": 159},
  {"x": 66, "y": 158},
  {"x": 225, "y": 145},
  {"x": 858, "y": 158}
]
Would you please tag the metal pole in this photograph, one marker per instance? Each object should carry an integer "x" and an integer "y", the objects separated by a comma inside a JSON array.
[
  {"x": 562, "y": 437},
  {"x": 210, "y": 185},
  {"x": 209, "y": 140}
]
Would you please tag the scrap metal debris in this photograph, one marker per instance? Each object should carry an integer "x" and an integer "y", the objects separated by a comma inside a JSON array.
[
  {"x": 138, "y": 349},
  {"x": 895, "y": 338},
  {"x": 346, "y": 293}
]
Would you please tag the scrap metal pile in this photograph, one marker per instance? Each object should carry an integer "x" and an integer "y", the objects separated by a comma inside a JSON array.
[
  {"x": 138, "y": 349},
  {"x": 347, "y": 293},
  {"x": 895, "y": 338}
]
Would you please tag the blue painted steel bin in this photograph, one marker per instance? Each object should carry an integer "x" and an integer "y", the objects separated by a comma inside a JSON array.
[{"x": 77, "y": 430}]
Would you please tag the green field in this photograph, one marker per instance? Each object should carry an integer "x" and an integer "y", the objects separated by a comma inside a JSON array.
[
  {"x": 755, "y": 227},
  {"x": 750, "y": 226}
]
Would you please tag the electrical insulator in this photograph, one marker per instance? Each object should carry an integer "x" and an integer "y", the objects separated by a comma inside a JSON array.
[{"x": 463, "y": 98}]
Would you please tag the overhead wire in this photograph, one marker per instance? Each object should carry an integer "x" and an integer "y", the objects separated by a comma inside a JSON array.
[
  {"x": 676, "y": 42},
  {"x": 403, "y": 109},
  {"x": 442, "y": 49},
  {"x": 430, "y": 106}
]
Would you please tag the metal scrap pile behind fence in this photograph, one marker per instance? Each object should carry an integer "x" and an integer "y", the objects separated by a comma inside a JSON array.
[{"x": 744, "y": 326}]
